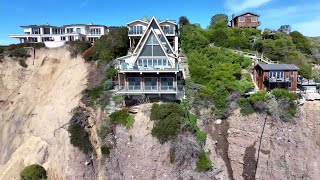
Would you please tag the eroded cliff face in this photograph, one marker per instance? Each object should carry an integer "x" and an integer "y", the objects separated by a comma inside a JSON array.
[
  {"x": 288, "y": 150},
  {"x": 34, "y": 101}
]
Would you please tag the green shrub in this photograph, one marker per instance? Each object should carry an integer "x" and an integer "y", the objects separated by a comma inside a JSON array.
[
  {"x": 130, "y": 121},
  {"x": 94, "y": 93},
  {"x": 105, "y": 150},
  {"x": 172, "y": 155},
  {"x": 104, "y": 131},
  {"x": 246, "y": 63},
  {"x": 79, "y": 137},
  {"x": 167, "y": 128},
  {"x": 204, "y": 163},
  {"x": 107, "y": 85},
  {"x": 168, "y": 119},
  {"x": 122, "y": 117},
  {"x": 245, "y": 107},
  {"x": 118, "y": 99},
  {"x": 119, "y": 117},
  {"x": 33, "y": 172},
  {"x": 259, "y": 96},
  {"x": 78, "y": 47},
  {"x": 18, "y": 52},
  {"x": 201, "y": 136},
  {"x": 22, "y": 45},
  {"x": 284, "y": 94},
  {"x": 159, "y": 112},
  {"x": 111, "y": 72}
]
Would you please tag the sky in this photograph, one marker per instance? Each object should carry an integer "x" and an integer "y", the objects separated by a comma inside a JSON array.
[{"x": 302, "y": 15}]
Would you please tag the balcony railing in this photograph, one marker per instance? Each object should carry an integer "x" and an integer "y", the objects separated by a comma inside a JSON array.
[
  {"x": 167, "y": 32},
  {"x": 275, "y": 79},
  {"x": 138, "y": 88},
  {"x": 135, "y": 32},
  {"x": 135, "y": 67}
]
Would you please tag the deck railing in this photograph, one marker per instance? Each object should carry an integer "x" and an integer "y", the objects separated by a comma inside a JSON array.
[
  {"x": 138, "y": 32},
  {"x": 135, "y": 67},
  {"x": 138, "y": 88}
]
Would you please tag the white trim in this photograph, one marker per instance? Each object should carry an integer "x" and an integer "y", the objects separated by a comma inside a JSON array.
[
  {"x": 138, "y": 20},
  {"x": 146, "y": 39},
  {"x": 166, "y": 21},
  {"x": 149, "y": 26}
]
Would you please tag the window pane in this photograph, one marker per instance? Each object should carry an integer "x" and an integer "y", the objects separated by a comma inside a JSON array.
[{"x": 157, "y": 51}]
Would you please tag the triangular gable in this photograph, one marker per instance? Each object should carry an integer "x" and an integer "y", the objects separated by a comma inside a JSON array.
[
  {"x": 154, "y": 25},
  {"x": 152, "y": 37}
]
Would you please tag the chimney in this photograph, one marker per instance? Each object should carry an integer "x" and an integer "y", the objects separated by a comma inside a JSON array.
[{"x": 232, "y": 20}]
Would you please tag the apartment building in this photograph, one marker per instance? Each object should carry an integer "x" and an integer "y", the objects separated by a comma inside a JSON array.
[
  {"x": 153, "y": 68},
  {"x": 72, "y": 32}
]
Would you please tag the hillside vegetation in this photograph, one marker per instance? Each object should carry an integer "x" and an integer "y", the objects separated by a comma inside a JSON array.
[{"x": 220, "y": 77}]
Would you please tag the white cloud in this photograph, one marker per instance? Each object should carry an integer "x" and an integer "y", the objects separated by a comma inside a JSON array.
[
  {"x": 240, "y": 5},
  {"x": 308, "y": 28}
]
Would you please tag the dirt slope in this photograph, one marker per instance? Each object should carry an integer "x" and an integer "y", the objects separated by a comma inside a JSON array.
[
  {"x": 288, "y": 150},
  {"x": 35, "y": 101}
]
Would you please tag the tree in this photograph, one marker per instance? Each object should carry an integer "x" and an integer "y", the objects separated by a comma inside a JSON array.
[
  {"x": 183, "y": 20},
  {"x": 33, "y": 172},
  {"x": 112, "y": 45},
  {"x": 219, "y": 18},
  {"x": 285, "y": 29},
  {"x": 301, "y": 42},
  {"x": 305, "y": 71}
]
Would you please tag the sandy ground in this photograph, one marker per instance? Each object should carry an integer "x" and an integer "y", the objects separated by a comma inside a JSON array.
[
  {"x": 34, "y": 101},
  {"x": 288, "y": 150}
]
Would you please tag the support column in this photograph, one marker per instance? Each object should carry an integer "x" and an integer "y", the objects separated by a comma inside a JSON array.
[
  {"x": 41, "y": 30},
  {"x": 176, "y": 46}
]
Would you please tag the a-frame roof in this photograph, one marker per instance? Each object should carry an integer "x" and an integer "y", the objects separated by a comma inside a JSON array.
[
  {"x": 150, "y": 32},
  {"x": 144, "y": 36}
]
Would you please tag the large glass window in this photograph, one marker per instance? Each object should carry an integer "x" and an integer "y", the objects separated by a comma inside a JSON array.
[
  {"x": 276, "y": 74},
  {"x": 35, "y": 30},
  {"x": 135, "y": 30},
  {"x": 69, "y": 30},
  {"x": 46, "y": 30},
  {"x": 152, "y": 47},
  {"x": 150, "y": 83},
  {"x": 167, "y": 83},
  {"x": 78, "y": 30},
  {"x": 134, "y": 83},
  {"x": 95, "y": 31}
]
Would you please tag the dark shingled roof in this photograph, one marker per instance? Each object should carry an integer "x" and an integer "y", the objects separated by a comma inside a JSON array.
[{"x": 275, "y": 67}]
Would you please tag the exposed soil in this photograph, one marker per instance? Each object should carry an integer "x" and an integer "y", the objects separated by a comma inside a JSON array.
[
  {"x": 220, "y": 135},
  {"x": 34, "y": 102}
]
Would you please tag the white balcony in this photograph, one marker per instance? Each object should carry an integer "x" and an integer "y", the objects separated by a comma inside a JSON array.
[
  {"x": 130, "y": 67},
  {"x": 137, "y": 89}
]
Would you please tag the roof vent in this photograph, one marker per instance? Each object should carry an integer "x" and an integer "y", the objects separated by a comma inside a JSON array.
[{"x": 90, "y": 23}]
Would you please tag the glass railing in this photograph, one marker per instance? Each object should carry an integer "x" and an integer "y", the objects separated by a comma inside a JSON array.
[
  {"x": 277, "y": 79},
  {"x": 136, "y": 67},
  {"x": 160, "y": 88},
  {"x": 140, "y": 32}
]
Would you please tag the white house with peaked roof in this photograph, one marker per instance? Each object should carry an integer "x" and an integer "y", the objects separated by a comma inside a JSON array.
[
  {"x": 137, "y": 28},
  {"x": 153, "y": 67}
]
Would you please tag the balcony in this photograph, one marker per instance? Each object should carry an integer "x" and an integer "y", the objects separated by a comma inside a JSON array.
[
  {"x": 276, "y": 80},
  {"x": 130, "y": 67},
  {"x": 137, "y": 89},
  {"x": 169, "y": 32},
  {"x": 135, "y": 32}
]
